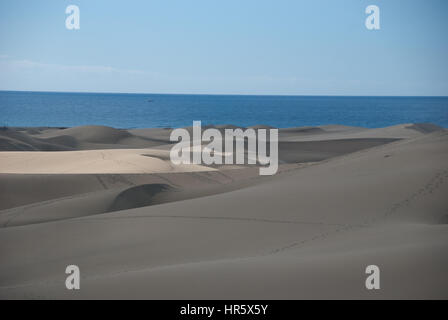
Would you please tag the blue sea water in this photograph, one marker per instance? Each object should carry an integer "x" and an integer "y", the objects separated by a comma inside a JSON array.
[{"x": 171, "y": 110}]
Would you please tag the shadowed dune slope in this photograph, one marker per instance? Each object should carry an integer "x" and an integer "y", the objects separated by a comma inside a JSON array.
[
  {"x": 312, "y": 151},
  {"x": 85, "y": 205},
  {"x": 136, "y": 197}
]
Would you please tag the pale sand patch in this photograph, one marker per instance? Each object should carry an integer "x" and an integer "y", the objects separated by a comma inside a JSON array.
[{"x": 90, "y": 161}]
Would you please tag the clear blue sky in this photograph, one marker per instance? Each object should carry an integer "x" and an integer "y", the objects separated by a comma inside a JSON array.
[{"x": 308, "y": 47}]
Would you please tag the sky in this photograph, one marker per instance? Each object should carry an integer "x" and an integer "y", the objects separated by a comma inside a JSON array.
[{"x": 275, "y": 47}]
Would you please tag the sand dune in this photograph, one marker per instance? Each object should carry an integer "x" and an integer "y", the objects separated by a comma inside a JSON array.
[
  {"x": 17, "y": 190},
  {"x": 78, "y": 138},
  {"x": 332, "y": 132},
  {"x": 117, "y": 196},
  {"x": 87, "y": 204},
  {"x": 95, "y": 134},
  {"x": 16, "y": 140},
  {"x": 376, "y": 196}
]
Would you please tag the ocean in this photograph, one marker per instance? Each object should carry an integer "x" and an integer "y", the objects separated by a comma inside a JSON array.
[{"x": 177, "y": 110}]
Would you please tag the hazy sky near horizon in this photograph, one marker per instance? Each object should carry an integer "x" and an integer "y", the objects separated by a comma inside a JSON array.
[{"x": 293, "y": 47}]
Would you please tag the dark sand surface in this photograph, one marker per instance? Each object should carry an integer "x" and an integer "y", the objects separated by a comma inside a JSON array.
[{"x": 109, "y": 201}]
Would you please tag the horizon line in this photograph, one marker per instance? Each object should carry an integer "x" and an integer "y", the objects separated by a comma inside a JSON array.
[{"x": 229, "y": 94}]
